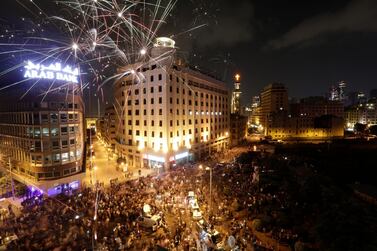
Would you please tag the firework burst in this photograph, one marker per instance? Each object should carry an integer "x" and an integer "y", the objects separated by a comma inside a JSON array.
[{"x": 97, "y": 36}]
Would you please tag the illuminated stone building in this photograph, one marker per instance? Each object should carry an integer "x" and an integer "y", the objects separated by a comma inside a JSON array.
[
  {"x": 168, "y": 112},
  {"x": 362, "y": 113},
  {"x": 41, "y": 136},
  {"x": 284, "y": 126},
  {"x": 311, "y": 118}
]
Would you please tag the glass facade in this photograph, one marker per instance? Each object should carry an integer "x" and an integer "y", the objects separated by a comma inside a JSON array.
[{"x": 43, "y": 139}]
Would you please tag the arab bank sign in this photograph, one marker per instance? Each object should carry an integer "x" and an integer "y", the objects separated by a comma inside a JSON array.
[{"x": 55, "y": 71}]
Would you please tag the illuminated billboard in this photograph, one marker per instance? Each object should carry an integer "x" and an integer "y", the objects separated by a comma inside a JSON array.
[{"x": 55, "y": 71}]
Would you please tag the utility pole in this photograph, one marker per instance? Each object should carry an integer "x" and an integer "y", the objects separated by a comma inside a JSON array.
[
  {"x": 91, "y": 155},
  {"x": 210, "y": 191}
]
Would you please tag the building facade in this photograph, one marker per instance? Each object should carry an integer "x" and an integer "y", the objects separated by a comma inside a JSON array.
[
  {"x": 363, "y": 113},
  {"x": 311, "y": 118},
  {"x": 274, "y": 99},
  {"x": 317, "y": 106},
  {"x": 238, "y": 129},
  {"x": 236, "y": 96},
  {"x": 168, "y": 112},
  {"x": 43, "y": 138},
  {"x": 308, "y": 128},
  {"x": 238, "y": 120}
]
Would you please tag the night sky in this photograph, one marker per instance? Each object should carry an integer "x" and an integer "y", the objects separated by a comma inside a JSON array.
[{"x": 307, "y": 45}]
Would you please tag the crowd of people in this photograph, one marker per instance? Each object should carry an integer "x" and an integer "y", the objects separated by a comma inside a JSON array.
[{"x": 106, "y": 218}]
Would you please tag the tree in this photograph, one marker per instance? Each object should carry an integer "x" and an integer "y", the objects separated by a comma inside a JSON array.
[
  {"x": 360, "y": 128},
  {"x": 373, "y": 130}
]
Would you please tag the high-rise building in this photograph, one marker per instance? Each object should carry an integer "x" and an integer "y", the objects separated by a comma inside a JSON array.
[
  {"x": 42, "y": 137},
  {"x": 274, "y": 99},
  {"x": 342, "y": 90},
  {"x": 338, "y": 93},
  {"x": 168, "y": 112},
  {"x": 236, "y": 95}
]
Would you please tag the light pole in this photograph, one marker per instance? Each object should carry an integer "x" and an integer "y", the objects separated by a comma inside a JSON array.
[
  {"x": 11, "y": 177},
  {"x": 210, "y": 189},
  {"x": 91, "y": 155},
  {"x": 95, "y": 175}
]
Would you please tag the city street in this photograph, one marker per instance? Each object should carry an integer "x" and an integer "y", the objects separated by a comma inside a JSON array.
[{"x": 105, "y": 167}]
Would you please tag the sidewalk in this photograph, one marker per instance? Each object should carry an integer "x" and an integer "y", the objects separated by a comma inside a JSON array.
[
  {"x": 106, "y": 169},
  {"x": 16, "y": 204}
]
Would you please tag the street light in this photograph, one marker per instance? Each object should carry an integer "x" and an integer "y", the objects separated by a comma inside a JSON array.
[
  {"x": 210, "y": 186},
  {"x": 210, "y": 189},
  {"x": 95, "y": 174}
]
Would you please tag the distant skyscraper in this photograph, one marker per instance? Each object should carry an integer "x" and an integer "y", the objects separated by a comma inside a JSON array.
[
  {"x": 337, "y": 93},
  {"x": 236, "y": 95},
  {"x": 341, "y": 88},
  {"x": 333, "y": 93}
]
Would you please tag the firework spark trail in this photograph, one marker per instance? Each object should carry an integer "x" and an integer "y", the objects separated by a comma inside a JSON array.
[{"x": 98, "y": 35}]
